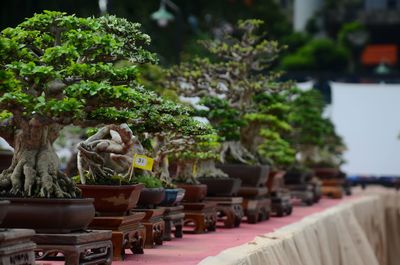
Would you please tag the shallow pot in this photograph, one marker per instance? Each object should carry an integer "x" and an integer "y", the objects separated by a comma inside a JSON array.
[
  {"x": 3, "y": 209},
  {"x": 49, "y": 215},
  {"x": 173, "y": 197},
  {"x": 193, "y": 193},
  {"x": 295, "y": 177},
  {"x": 151, "y": 197},
  {"x": 112, "y": 200},
  {"x": 221, "y": 186},
  {"x": 5, "y": 159},
  {"x": 327, "y": 172},
  {"x": 251, "y": 176},
  {"x": 275, "y": 180}
]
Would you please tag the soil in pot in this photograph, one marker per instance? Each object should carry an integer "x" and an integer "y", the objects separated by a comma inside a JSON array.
[
  {"x": 3, "y": 209},
  {"x": 151, "y": 197},
  {"x": 112, "y": 200},
  {"x": 193, "y": 192},
  {"x": 49, "y": 215},
  {"x": 251, "y": 176},
  {"x": 221, "y": 187}
]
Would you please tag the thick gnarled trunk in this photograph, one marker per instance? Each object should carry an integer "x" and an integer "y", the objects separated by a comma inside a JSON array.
[{"x": 34, "y": 171}]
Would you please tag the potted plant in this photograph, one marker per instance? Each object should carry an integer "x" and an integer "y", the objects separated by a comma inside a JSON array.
[
  {"x": 227, "y": 87},
  {"x": 58, "y": 70}
]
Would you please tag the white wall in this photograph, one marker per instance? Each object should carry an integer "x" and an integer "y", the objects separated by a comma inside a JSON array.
[
  {"x": 368, "y": 118},
  {"x": 303, "y": 10}
]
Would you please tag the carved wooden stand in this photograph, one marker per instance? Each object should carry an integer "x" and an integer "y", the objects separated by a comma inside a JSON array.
[
  {"x": 16, "y": 248},
  {"x": 86, "y": 247},
  {"x": 256, "y": 204},
  {"x": 127, "y": 232},
  {"x": 281, "y": 203},
  {"x": 200, "y": 215},
  {"x": 173, "y": 218},
  {"x": 229, "y": 209},
  {"x": 154, "y": 225}
]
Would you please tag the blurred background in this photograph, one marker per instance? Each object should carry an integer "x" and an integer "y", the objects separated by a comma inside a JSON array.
[{"x": 347, "y": 49}]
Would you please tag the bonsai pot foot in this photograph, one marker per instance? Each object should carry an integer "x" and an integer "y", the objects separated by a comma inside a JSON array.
[
  {"x": 16, "y": 246},
  {"x": 200, "y": 217},
  {"x": 127, "y": 232},
  {"x": 256, "y": 209},
  {"x": 94, "y": 247},
  {"x": 173, "y": 218},
  {"x": 229, "y": 210},
  {"x": 154, "y": 226},
  {"x": 281, "y": 205}
]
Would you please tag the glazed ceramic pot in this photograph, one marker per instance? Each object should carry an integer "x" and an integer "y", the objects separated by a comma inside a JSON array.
[
  {"x": 193, "y": 193},
  {"x": 151, "y": 197},
  {"x": 173, "y": 197},
  {"x": 221, "y": 186},
  {"x": 49, "y": 215},
  {"x": 112, "y": 200},
  {"x": 252, "y": 176}
]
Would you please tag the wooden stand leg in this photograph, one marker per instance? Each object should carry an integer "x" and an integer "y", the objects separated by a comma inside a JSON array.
[
  {"x": 167, "y": 230},
  {"x": 118, "y": 246}
]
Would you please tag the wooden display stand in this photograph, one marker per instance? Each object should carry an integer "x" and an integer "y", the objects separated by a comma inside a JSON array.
[
  {"x": 16, "y": 247},
  {"x": 256, "y": 204},
  {"x": 200, "y": 215},
  {"x": 173, "y": 218},
  {"x": 281, "y": 202},
  {"x": 154, "y": 226},
  {"x": 229, "y": 209},
  {"x": 333, "y": 187},
  {"x": 127, "y": 232},
  {"x": 86, "y": 247}
]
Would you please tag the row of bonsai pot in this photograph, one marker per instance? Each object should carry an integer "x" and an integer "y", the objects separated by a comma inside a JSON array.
[{"x": 133, "y": 217}]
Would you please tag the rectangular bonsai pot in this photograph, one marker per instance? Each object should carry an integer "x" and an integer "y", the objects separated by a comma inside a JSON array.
[{"x": 253, "y": 176}]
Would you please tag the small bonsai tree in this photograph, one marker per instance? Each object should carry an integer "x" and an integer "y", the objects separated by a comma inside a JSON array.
[
  {"x": 274, "y": 148},
  {"x": 58, "y": 70},
  {"x": 314, "y": 136},
  {"x": 198, "y": 160},
  {"x": 228, "y": 86}
]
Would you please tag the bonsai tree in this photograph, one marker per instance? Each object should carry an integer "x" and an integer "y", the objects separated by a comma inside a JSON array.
[
  {"x": 228, "y": 86},
  {"x": 198, "y": 160},
  {"x": 274, "y": 148},
  {"x": 58, "y": 70},
  {"x": 313, "y": 136}
]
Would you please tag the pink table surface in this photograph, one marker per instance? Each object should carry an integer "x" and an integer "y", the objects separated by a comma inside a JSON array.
[{"x": 193, "y": 248}]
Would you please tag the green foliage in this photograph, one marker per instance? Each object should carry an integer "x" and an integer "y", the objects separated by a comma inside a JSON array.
[
  {"x": 276, "y": 150},
  {"x": 148, "y": 181},
  {"x": 348, "y": 29},
  {"x": 115, "y": 180},
  {"x": 228, "y": 85},
  {"x": 61, "y": 69},
  {"x": 225, "y": 119},
  {"x": 318, "y": 54},
  {"x": 314, "y": 136}
]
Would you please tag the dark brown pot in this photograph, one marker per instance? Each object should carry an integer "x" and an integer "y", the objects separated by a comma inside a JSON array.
[
  {"x": 151, "y": 197},
  {"x": 275, "y": 180},
  {"x": 194, "y": 193},
  {"x": 327, "y": 172},
  {"x": 251, "y": 176},
  {"x": 3, "y": 209},
  {"x": 49, "y": 215},
  {"x": 221, "y": 186},
  {"x": 5, "y": 159},
  {"x": 112, "y": 200}
]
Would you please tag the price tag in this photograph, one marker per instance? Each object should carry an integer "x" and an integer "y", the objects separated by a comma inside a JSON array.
[{"x": 143, "y": 162}]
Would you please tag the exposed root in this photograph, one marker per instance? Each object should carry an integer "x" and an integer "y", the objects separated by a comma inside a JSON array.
[
  {"x": 207, "y": 169},
  {"x": 237, "y": 152}
]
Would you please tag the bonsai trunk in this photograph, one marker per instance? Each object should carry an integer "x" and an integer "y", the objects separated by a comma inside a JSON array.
[
  {"x": 206, "y": 168},
  {"x": 35, "y": 166}
]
